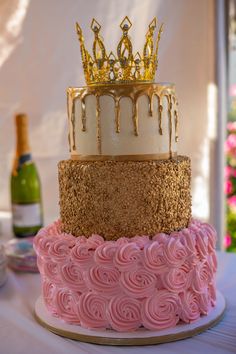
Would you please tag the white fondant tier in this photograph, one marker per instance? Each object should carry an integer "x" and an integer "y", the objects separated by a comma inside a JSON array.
[{"x": 116, "y": 120}]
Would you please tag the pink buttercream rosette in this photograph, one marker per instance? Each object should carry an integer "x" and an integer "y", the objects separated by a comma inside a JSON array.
[{"x": 129, "y": 283}]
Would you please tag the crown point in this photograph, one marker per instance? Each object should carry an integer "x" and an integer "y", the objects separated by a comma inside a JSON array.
[
  {"x": 95, "y": 26},
  {"x": 78, "y": 29},
  {"x": 137, "y": 58},
  {"x": 111, "y": 58},
  {"x": 153, "y": 23},
  {"x": 125, "y": 24}
]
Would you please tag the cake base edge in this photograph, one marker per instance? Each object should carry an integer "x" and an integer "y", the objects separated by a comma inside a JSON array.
[{"x": 140, "y": 337}]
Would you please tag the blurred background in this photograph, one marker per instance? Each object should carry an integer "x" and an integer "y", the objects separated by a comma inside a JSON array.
[{"x": 40, "y": 58}]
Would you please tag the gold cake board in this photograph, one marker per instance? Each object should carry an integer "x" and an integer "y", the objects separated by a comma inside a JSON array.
[{"x": 139, "y": 337}]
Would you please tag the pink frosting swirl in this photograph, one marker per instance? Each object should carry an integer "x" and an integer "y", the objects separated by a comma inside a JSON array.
[
  {"x": 59, "y": 250},
  {"x": 66, "y": 303},
  {"x": 189, "y": 306},
  {"x": 122, "y": 241},
  {"x": 212, "y": 236},
  {"x": 127, "y": 257},
  {"x": 81, "y": 239},
  {"x": 176, "y": 280},
  {"x": 124, "y": 313},
  {"x": 141, "y": 241},
  {"x": 212, "y": 259},
  {"x": 104, "y": 254},
  {"x": 94, "y": 241},
  {"x": 161, "y": 238},
  {"x": 51, "y": 271},
  {"x": 54, "y": 229},
  {"x": 154, "y": 259},
  {"x": 92, "y": 311},
  {"x": 175, "y": 252},
  {"x": 42, "y": 244},
  {"x": 159, "y": 285},
  {"x": 204, "y": 303},
  {"x": 139, "y": 283},
  {"x": 202, "y": 244},
  {"x": 72, "y": 277},
  {"x": 212, "y": 292},
  {"x": 160, "y": 310},
  {"x": 82, "y": 254},
  {"x": 104, "y": 280},
  {"x": 202, "y": 276},
  {"x": 188, "y": 238},
  {"x": 48, "y": 290}
]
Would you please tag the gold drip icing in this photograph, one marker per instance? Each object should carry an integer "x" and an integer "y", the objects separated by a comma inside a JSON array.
[
  {"x": 98, "y": 111},
  {"x": 133, "y": 92},
  {"x": 68, "y": 115},
  {"x": 83, "y": 114},
  {"x": 160, "y": 110},
  {"x": 176, "y": 116},
  {"x": 68, "y": 137},
  {"x": 169, "y": 98},
  {"x": 176, "y": 125},
  {"x": 135, "y": 118},
  {"x": 150, "y": 101},
  {"x": 73, "y": 124},
  {"x": 117, "y": 115}
]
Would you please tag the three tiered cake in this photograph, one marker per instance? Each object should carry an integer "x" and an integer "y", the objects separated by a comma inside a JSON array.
[{"x": 126, "y": 253}]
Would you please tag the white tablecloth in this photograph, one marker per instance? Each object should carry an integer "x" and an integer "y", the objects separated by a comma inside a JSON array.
[{"x": 21, "y": 334}]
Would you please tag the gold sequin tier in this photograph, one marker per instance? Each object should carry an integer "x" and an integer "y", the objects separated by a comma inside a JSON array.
[{"x": 124, "y": 198}]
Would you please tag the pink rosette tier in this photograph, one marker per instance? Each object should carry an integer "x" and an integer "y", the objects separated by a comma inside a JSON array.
[{"x": 129, "y": 283}]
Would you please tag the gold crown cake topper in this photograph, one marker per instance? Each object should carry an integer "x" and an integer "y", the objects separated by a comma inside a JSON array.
[{"x": 100, "y": 68}]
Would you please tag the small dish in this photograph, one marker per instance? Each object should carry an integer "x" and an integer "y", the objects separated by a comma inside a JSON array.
[
  {"x": 21, "y": 255},
  {"x": 3, "y": 266}
]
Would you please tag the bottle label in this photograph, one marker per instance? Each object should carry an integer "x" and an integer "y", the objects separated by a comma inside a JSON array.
[{"x": 26, "y": 215}]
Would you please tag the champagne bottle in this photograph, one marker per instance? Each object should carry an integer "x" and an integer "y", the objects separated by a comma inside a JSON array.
[{"x": 25, "y": 185}]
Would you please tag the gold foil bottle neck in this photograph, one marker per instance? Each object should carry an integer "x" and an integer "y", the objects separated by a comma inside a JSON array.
[{"x": 22, "y": 138}]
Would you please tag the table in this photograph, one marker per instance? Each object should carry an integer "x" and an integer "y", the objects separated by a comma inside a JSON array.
[{"x": 21, "y": 334}]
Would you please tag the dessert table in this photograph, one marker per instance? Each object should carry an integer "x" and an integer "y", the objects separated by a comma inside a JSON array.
[{"x": 20, "y": 333}]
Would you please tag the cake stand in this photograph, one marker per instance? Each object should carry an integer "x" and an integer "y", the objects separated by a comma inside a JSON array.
[{"x": 139, "y": 337}]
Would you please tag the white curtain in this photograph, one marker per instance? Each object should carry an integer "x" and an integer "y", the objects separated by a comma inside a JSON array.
[{"x": 40, "y": 58}]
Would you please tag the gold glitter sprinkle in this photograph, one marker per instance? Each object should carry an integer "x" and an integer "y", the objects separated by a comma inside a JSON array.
[{"x": 124, "y": 198}]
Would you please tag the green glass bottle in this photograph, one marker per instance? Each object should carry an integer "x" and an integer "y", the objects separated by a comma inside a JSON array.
[{"x": 27, "y": 216}]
